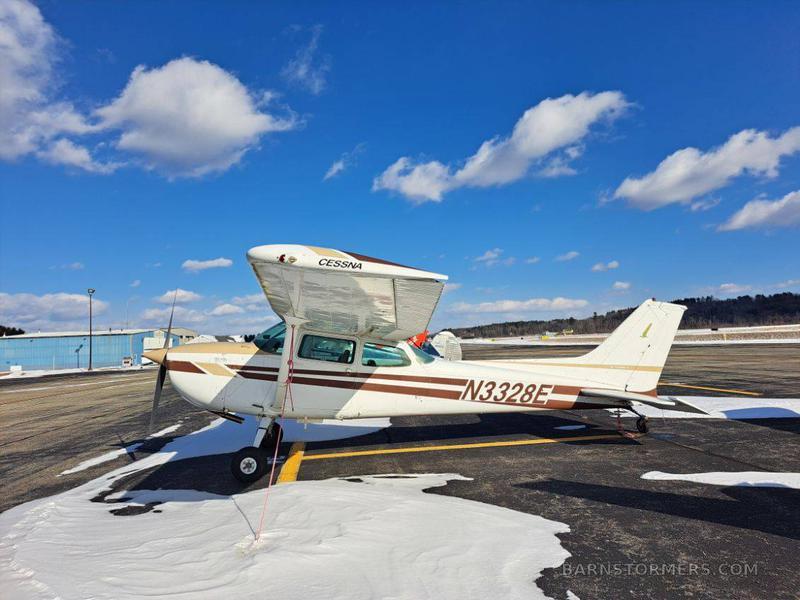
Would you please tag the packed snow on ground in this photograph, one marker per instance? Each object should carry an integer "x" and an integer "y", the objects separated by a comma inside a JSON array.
[
  {"x": 373, "y": 536},
  {"x": 44, "y": 372},
  {"x": 741, "y": 478},
  {"x": 729, "y": 407},
  {"x": 108, "y": 456},
  {"x": 327, "y": 429}
]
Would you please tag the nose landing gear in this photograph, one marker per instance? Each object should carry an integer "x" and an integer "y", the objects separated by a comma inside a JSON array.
[
  {"x": 251, "y": 462},
  {"x": 641, "y": 424}
]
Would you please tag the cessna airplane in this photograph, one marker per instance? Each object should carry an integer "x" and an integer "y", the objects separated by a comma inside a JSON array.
[{"x": 340, "y": 352}]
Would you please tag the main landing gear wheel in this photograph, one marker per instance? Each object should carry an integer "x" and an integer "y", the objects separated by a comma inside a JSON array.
[
  {"x": 641, "y": 425},
  {"x": 249, "y": 464}
]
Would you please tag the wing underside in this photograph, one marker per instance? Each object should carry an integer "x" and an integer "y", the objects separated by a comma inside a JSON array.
[{"x": 345, "y": 293}]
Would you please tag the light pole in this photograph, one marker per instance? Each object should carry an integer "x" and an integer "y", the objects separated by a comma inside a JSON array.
[{"x": 90, "y": 291}]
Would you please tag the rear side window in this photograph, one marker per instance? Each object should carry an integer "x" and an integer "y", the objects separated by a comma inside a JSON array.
[
  {"x": 335, "y": 350},
  {"x": 376, "y": 355}
]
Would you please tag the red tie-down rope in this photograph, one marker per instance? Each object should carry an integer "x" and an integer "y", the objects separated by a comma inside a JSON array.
[{"x": 280, "y": 431}]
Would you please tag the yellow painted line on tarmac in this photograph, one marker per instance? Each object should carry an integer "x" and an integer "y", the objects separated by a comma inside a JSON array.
[
  {"x": 291, "y": 467},
  {"x": 710, "y": 389},
  {"x": 444, "y": 447}
]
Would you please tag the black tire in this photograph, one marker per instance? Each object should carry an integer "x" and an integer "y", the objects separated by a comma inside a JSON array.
[
  {"x": 641, "y": 425},
  {"x": 249, "y": 464},
  {"x": 274, "y": 436}
]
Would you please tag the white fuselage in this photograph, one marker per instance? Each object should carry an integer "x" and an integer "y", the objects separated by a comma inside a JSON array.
[{"x": 243, "y": 379}]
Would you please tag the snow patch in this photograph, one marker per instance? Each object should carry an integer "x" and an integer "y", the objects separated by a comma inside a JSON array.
[
  {"x": 109, "y": 456},
  {"x": 730, "y": 407},
  {"x": 742, "y": 478},
  {"x": 370, "y": 536}
]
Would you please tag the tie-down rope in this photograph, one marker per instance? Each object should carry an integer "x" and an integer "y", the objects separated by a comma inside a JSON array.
[{"x": 288, "y": 393}]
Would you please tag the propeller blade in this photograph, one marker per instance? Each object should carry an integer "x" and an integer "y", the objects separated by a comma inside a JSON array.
[
  {"x": 162, "y": 375},
  {"x": 171, "y": 314},
  {"x": 162, "y": 370}
]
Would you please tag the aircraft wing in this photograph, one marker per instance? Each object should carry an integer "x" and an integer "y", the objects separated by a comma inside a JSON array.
[{"x": 346, "y": 293}]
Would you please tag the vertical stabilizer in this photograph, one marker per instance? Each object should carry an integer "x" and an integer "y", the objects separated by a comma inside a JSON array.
[{"x": 635, "y": 353}]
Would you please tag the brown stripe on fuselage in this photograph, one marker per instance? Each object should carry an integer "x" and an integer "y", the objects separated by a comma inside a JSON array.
[
  {"x": 377, "y": 387},
  {"x": 184, "y": 366},
  {"x": 262, "y": 376},
  {"x": 253, "y": 368},
  {"x": 390, "y": 376}
]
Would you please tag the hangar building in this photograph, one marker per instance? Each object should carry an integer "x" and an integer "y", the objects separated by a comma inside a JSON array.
[{"x": 70, "y": 349}]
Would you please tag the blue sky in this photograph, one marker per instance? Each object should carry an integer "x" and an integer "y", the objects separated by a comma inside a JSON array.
[{"x": 659, "y": 142}]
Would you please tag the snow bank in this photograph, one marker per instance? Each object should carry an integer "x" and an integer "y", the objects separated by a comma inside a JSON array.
[
  {"x": 372, "y": 536},
  {"x": 730, "y": 407},
  {"x": 743, "y": 478}
]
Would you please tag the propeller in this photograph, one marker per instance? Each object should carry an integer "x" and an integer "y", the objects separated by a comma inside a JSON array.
[{"x": 162, "y": 369}]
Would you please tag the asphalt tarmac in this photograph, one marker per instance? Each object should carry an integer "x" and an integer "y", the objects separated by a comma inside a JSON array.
[{"x": 629, "y": 538}]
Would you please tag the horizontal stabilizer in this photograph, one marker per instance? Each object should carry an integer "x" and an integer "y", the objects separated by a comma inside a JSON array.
[{"x": 668, "y": 403}]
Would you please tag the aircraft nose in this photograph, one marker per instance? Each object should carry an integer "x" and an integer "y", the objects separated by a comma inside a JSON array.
[{"x": 156, "y": 356}]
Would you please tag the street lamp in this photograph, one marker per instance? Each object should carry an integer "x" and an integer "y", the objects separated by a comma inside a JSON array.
[{"x": 90, "y": 291}]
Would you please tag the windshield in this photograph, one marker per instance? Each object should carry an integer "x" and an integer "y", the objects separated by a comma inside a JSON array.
[
  {"x": 271, "y": 340},
  {"x": 422, "y": 356}
]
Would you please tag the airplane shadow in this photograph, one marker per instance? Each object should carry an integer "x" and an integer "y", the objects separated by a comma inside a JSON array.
[
  {"x": 471, "y": 427},
  {"x": 768, "y": 510}
]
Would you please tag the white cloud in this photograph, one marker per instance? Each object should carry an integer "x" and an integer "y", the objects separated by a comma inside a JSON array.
[
  {"x": 58, "y": 311},
  {"x": 532, "y": 260},
  {"x": 733, "y": 288},
  {"x": 345, "y": 161},
  {"x": 194, "y": 266},
  {"x": 180, "y": 296},
  {"x": 552, "y": 125},
  {"x": 762, "y": 213},
  {"x": 571, "y": 255},
  {"x": 136, "y": 283},
  {"x": 451, "y": 287},
  {"x": 305, "y": 69},
  {"x": 159, "y": 317},
  {"x": 189, "y": 117},
  {"x": 519, "y": 306},
  {"x": 186, "y": 118},
  {"x": 225, "y": 309},
  {"x": 621, "y": 285},
  {"x": 789, "y": 283},
  {"x": 73, "y": 266},
  {"x": 704, "y": 205},
  {"x": 605, "y": 266},
  {"x": 30, "y": 115},
  {"x": 68, "y": 153},
  {"x": 258, "y": 299},
  {"x": 493, "y": 257},
  {"x": 690, "y": 173}
]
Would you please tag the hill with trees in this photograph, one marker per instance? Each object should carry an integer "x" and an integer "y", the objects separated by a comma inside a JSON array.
[
  {"x": 707, "y": 312},
  {"x": 10, "y": 331}
]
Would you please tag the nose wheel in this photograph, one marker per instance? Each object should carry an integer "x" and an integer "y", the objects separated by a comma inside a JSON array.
[
  {"x": 251, "y": 463},
  {"x": 641, "y": 425}
]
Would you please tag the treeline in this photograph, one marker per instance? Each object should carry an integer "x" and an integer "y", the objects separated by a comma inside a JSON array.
[
  {"x": 10, "y": 331},
  {"x": 707, "y": 312}
]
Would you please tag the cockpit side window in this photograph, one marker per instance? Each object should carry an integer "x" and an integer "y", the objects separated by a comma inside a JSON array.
[
  {"x": 272, "y": 339},
  {"x": 378, "y": 355},
  {"x": 318, "y": 347}
]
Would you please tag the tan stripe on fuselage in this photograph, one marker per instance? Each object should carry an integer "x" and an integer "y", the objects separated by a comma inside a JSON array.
[
  {"x": 215, "y": 369},
  {"x": 217, "y": 348},
  {"x": 582, "y": 365}
]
